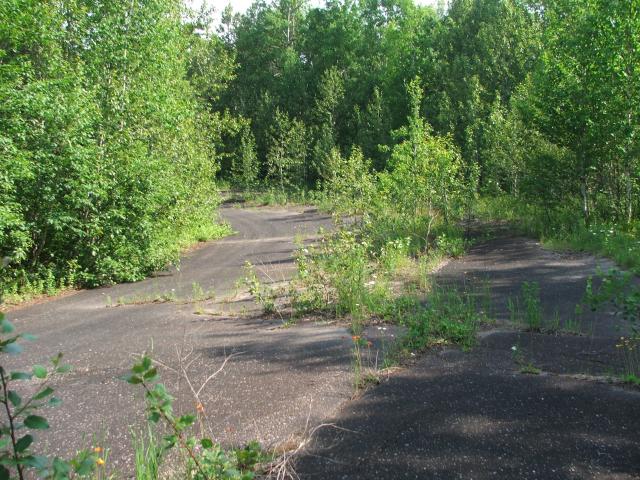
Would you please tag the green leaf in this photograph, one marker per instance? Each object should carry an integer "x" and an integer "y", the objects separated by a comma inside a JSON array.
[
  {"x": 132, "y": 379},
  {"x": 187, "y": 420},
  {"x": 24, "y": 443},
  {"x": 14, "y": 398},
  {"x": 54, "y": 402},
  {"x": 36, "y": 422},
  {"x": 151, "y": 375},
  {"x": 39, "y": 371},
  {"x": 146, "y": 363},
  {"x": 43, "y": 393},
  {"x": 138, "y": 368},
  {"x": 170, "y": 441},
  {"x": 4, "y": 473},
  {"x": 63, "y": 369},
  {"x": 20, "y": 376},
  {"x": 36, "y": 461},
  {"x": 154, "y": 417},
  {"x": 206, "y": 443},
  {"x": 61, "y": 468},
  {"x": 86, "y": 467}
]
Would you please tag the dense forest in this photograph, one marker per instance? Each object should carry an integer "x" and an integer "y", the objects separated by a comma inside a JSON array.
[{"x": 119, "y": 118}]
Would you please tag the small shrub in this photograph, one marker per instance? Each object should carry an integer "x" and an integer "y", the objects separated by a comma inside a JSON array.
[
  {"x": 263, "y": 294},
  {"x": 205, "y": 460},
  {"x": 451, "y": 246}
]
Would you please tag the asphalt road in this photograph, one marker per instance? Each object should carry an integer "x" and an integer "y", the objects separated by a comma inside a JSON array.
[
  {"x": 278, "y": 379},
  {"x": 476, "y": 415}
]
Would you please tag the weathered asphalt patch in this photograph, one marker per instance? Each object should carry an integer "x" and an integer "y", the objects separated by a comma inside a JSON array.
[{"x": 276, "y": 381}]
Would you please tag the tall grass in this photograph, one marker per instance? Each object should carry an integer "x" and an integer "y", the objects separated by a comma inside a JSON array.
[{"x": 147, "y": 455}]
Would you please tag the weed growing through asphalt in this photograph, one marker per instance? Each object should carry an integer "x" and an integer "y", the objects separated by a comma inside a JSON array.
[
  {"x": 513, "y": 306},
  {"x": 629, "y": 349},
  {"x": 359, "y": 281},
  {"x": 365, "y": 363},
  {"x": 147, "y": 455},
  {"x": 198, "y": 294},
  {"x": 204, "y": 459},
  {"x": 573, "y": 325},
  {"x": 526, "y": 367},
  {"x": 529, "y": 369},
  {"x": 264, "y": 295},
  {"x": 532, "y": 308},
  {"x": 447, "y": 317}
]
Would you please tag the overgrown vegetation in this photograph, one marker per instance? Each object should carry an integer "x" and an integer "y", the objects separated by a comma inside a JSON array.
[
  {"x": 508, "y": 83},
  {"x": 118, "y": 119},
  {"x": 107, "y": 158},
  {"x": 289, "y": 99}
]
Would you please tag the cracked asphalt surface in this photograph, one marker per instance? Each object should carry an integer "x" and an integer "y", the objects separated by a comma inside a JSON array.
[
  {"x": 278, "y": 379},
  {"x": 475, "y": 415}
]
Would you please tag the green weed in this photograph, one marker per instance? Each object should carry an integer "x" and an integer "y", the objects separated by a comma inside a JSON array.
[
  {"x": 20, "y": 457},
  {"x": 529, "y": 369},
  {"x": 365, "y": 366},
  {"x": 526, "y": 367},
  {"x": 264, "y": 295},
  {"x": 148, "y": 455},
  {"x": 530, "y": 292},
  {"x": 448, "y": 317}
]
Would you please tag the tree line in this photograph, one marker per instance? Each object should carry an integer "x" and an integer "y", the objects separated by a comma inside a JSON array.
[{"x": 541, "y": 95}]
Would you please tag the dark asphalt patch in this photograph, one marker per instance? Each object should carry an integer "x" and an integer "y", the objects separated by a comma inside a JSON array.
[{"x": 458, "y": 415}]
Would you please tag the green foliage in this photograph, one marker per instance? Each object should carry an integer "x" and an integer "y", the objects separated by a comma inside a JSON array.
[
  {"x": 286, "y": 157},
  {"x": 263, "y": 294},
  {"x": 245, "y": 166},
  {"x": 148, "y": 455},
  {"x": 328, "y": 101},
  {"x": 620, "y": 291},
  {"x": 106, "y": 167},
  {"x": 560, "y": 228},
  {"x": 532, "y": 308},
  {"x": 425, "y": 176},
  {"x": 514, "y": 97},
  {"x": 349, "y": 182},
  {"x": 449, "y": 316},
  {"x": 205, "y": 460}
]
